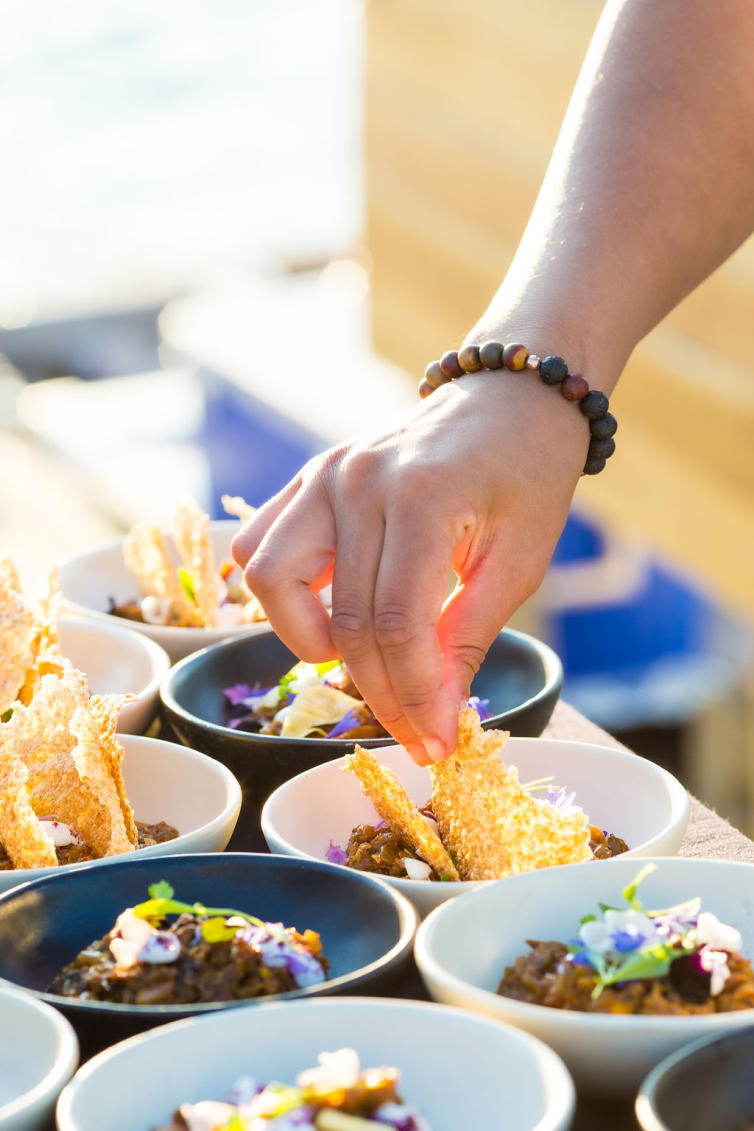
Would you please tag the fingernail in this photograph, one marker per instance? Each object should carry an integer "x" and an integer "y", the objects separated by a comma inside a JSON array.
[{"x": 435, "y": 748}]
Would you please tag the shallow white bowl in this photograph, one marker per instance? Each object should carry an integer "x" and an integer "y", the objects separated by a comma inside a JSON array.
[
  {"x": 166, "y": 782},
  {"x": 88, "y": 581},
  {"x": 621, "y": 792},
  {"x": 40, "y": 1054},
  {"x": 496, "y": 1078},
  {"x": 463, "y": 948},
  {"x": 116, "y": 660}
]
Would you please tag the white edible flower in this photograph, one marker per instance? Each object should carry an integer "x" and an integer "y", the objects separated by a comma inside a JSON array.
[
  {"x": 307, "y": 675},
  {"x": 335, "y": 1070},
  {"x": 59, "y": 833},
  {"x": 156, "y": 610},
  {"x": 715, "y": 962},
  {"x": 720, "y": 936},
  {"x": 416, "y": 869},
  {"x": 207, "y": 1115},
  {"x": 228, "y": 615}
]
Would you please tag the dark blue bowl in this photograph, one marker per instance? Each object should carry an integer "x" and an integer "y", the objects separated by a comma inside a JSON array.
[
  {"x": 366, "y": 928},
  {"x": 520, "y": 676}
]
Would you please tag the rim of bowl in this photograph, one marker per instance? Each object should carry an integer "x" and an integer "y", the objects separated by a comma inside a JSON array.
[
  {"x": 159, "y": 659},
  {"x": 645, "y": 1104},
  {"x": 407, "y": 919},
  {"x": 564, "y": 1018},
  {"x": 66, "y": 1055},
  {"x": 233, "y": 803},
  {"x": 171, "y": 631},
  {"x": 679, "y": 799},
  {"x": 560, "y": 1091},
  {"x": 553, "y": 671}
]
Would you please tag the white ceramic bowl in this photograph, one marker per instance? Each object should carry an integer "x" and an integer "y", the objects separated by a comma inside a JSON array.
[
  {"x": 88, "y": 581},
  {"x": 463, "y": 948},
  {"x": 116, "y": 660},
  {"x": 621, "y": 792},
  {"x": 40, "y": 1054},
  {"x": 167, "y": 782},
  {"x": 494, "y": 1077}
]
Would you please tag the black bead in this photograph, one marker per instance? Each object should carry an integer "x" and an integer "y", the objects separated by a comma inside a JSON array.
[
  {"x": 594, "y": 404},
  {"x": 592, "y": 466},
  {"x": 553, "y": 370},
  {"x": 491, "y": 355},
  {"x": 601, "y": 449},
  {"x": 603, "y": 427}
]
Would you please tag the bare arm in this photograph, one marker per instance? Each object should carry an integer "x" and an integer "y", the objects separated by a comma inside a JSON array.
[{"x": 650, "y": 187}]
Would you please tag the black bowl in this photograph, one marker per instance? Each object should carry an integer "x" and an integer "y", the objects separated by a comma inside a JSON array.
[
  {"x": 520, "y": 676},
  {"x": 366, "y": 928},
  {"x": 706, "y": 1085}
]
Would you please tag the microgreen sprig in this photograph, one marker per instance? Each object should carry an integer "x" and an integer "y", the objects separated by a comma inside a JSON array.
[{"x": 214, "y": 929}]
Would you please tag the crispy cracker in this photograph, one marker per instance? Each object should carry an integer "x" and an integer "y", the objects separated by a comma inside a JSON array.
[
  {"x": 393, "y": 804},
  {"x": 191, "y": 534},
  {"x": 146, "y": 554},
  {"x": 21, "y": 835},
  {"x": 493, "y": 827},
  {"x": 18, "y": 630},
  {"x": 237, "y": 506},
  {"x": 105, "y": 710},
  {"x": 57, "y": 739}
]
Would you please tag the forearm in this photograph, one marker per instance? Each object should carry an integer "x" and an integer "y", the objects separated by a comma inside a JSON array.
[{"x": 651, "y": 184}]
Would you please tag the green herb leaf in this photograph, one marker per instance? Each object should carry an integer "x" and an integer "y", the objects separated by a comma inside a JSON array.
[
  {"x": 629, "y": 893},
  {"x": 187, "y": 583},
  {"x": 161, "y": 890},
  {"x": 6, "y": 715}
]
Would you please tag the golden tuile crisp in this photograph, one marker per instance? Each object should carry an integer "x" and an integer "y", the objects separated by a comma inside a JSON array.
[
  {"x": 56, "y": 738},
  {"x": 493, "y": 827},
  {"x": 18, "y": 630},
  {"x": 146, "y": 554},
  {"x": 21, "y": 835},
  {"x": 105, "y": 710},
  {"x": 237, "y": 506},
  {"x": 393, "y": 804},
  {"x": 191, "y": 534}
]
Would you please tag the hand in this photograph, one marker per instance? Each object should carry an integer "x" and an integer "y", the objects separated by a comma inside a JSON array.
[{"x": 476, "y": 480}]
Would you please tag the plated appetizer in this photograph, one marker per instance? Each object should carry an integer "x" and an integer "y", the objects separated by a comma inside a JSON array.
[
  {"x": 193, "y": 591},
  {"x": 337, "y": 1095},
  {"x": 678, "y": 960},
  {"x": 480, "y": 823},
  {"x": 311, "y": 701},
  {"x": 165, "y": 952},
  {"x": 62, "y": 795}
]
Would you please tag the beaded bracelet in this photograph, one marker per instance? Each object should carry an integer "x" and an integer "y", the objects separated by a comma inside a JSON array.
[{"x": 553, "y": 371}]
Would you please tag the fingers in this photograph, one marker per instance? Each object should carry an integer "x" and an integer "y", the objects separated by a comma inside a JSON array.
[
  {"x": 245, "y": 543},
  {"x": 290, "y": 562},
  {"x": 411, "y": 586}
]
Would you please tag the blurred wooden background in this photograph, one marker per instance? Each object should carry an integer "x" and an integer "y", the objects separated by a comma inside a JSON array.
[{"x": 464, "y": 100}]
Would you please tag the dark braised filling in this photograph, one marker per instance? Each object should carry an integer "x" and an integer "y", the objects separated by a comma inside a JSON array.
[
  {"x": 76, "y": 853},
  {"x": 547, "y": 976}
]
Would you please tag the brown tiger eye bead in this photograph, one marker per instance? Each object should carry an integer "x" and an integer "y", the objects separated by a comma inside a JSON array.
[
  {"x": 515, "y": 356},
  {"x": 491, "y": 355},
  {"x": 449, "y": 365},
  {"x": 425, "y": 388},
  {"x": 434, "y": 375},
  {"x": 468, "y": 359},
  {"x": 574, "y": 387}
]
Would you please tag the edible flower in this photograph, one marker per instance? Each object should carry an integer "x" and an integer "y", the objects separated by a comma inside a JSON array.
[{"x": 689, "y": 945}]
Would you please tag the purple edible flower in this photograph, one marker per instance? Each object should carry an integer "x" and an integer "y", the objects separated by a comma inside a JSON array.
[
  {"x": 243, "y": 1091},
  {"x": 481, "y": 706},
  {"x": 561, "y": 800},
  {"x": 237, "y": 693},
  {"x": 335, "y": 854},
  {"x": 401, "y": 1117},
  {"x": 348, "y": 722}
]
